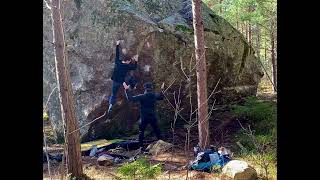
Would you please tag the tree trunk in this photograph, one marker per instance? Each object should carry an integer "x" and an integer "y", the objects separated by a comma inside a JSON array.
[
  {"x": 246, "y": 28},
  {"x": 265, "y": 50},
  {"x": 250, "y": 33},
  {"x": 237, "y": 24},
  {"x": 237, "y": 19},
  {"x": 73, "y": 152},
  {"x": 250, "y": 10},
  {"x": 221, "y": 6},
  {"x": 258, "y": 41},
  {"x": 274, "y": 62},
  {"x": 242, "y": 31},
  {"x": 203, "y": 123}
]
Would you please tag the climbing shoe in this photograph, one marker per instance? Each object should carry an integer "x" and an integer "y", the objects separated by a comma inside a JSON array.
[{"x": 110, "y": 109}]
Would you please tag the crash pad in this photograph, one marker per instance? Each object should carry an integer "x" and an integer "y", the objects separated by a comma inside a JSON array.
[{"x": 99, "y": 143}]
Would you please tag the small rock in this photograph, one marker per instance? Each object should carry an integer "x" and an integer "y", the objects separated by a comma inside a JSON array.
[
  {"x": 159, "y": 147},
  {"x": 117, "y": 160},
  {"x": 170, "y": 167},
  {"x": 105, "y": 160},
  {"x": 131, "y": 159},
  {"x": 118, "y": 150},
  {"x": 238, "y": 170}
]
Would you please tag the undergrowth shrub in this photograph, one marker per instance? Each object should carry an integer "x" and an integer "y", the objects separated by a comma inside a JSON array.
[
  {"x": 262, "y": 115},
  {"x": 260, "y": 136},
  {"x": 139, "y": 169}
]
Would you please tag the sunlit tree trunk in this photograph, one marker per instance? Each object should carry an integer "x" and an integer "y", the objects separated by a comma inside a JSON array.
[
  {"x": 203, "y": 123},
  {"x": 73, "y": 152}
]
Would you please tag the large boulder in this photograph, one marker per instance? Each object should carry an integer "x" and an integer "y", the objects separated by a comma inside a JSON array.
[
  {"x": 161, "y": 32},
  {"x": 238, "y": 170}
]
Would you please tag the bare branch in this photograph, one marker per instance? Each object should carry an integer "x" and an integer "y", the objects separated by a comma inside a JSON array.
[
  {"x": 47, "y": 5},
  {"x": 45, "y": 107},
  {"x": 46, "y": 149},
  {"x": 241, "y": 146},
  {"x": 213, "y": 92},
  {"x": 89, "y": 123},
  {"x": 177, "y": 110},
  {"x": 62, "y": 171},
  {"x": 209, "y": 114},
  {"x": 49, "y": 41},
  {"x": 174, "y": 108},
  {"x": 250, "y": 134},
  {"x": 190, "y": 64},
  {"x": 212, "y": 108},
  {"x": 169, "y": 85},
  {"x": 198, "y": 61},
  {"x": 181, "y": 65}
]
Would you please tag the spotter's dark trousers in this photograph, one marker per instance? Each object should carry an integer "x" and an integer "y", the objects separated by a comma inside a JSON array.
[{"x": 144, "y": 121}]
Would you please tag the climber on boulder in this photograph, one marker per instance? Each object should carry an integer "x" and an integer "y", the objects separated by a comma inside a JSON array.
[
  {"x": 121, "y": 68},
  {"x": 147, "y": 102}
]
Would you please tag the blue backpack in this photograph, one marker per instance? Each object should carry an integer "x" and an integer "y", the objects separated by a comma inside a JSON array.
[{"x": 203, "y": 163}]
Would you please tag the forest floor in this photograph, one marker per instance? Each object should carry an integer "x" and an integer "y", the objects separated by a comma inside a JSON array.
[
  {"x": 174, "y": 161},
  {"x": 173, "y": 164},
  {"x": 265, "y": 91}
]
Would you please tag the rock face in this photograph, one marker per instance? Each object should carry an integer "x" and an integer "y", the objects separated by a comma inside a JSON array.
[
  {"x": 238, "y": 170},
  {"x": 161, "y": 32}
]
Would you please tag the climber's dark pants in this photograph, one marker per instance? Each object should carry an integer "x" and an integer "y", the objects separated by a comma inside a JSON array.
[
  {"x": 115, "y": 88},
  {"x": 144, "y": 121},
  {"x": 116, "y": 85}
]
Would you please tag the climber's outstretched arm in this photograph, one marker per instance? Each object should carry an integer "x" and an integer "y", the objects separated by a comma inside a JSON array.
[
  {"x": 117, "y": 60},
  {"x": 129, "y": 96},
  {"x": 160, "y": 96}
]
